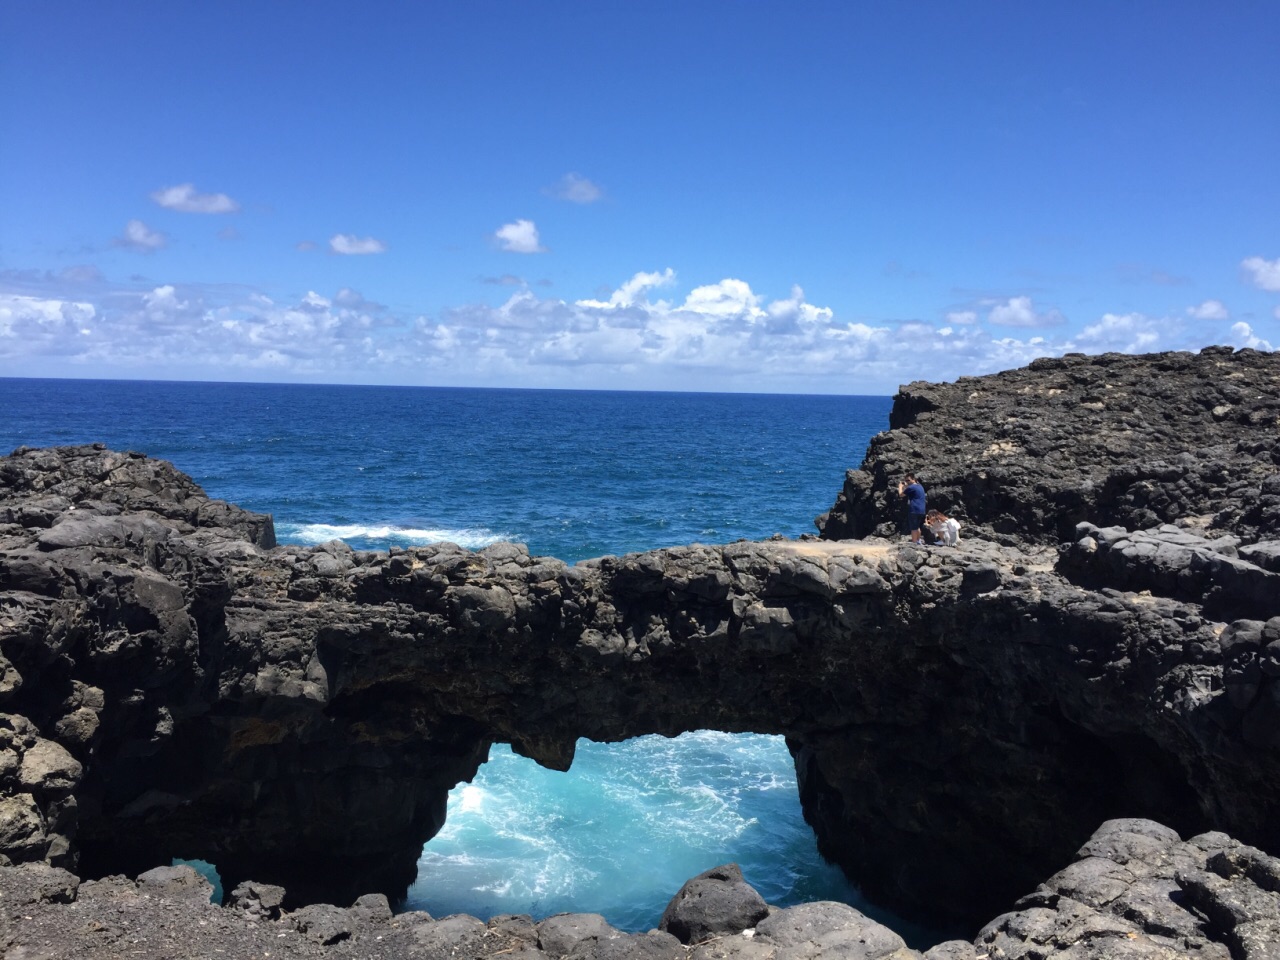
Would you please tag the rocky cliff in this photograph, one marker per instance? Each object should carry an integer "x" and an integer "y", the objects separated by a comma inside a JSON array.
[
  {"x": 1104, "y": 643},
  {"x": 1114, "y": 440}
]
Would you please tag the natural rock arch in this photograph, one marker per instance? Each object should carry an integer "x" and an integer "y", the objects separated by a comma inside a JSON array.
[{"x": 174, "y": 685}]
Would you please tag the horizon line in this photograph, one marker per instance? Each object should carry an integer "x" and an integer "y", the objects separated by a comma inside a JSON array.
[{"x": 419, "y": 386}]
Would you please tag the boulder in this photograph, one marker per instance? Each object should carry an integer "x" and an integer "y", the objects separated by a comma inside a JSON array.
[
  {"x": 713, "y": 904},
  {"x": 559, "y": 934}
]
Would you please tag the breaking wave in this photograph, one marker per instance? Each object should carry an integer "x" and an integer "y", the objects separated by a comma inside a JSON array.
[{"x": 382, "y": 536}]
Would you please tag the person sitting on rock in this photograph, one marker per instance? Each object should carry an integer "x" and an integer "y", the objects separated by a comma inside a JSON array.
[
  {"x": 910, "y": 488},
  {"x": 946, "y": 529}
]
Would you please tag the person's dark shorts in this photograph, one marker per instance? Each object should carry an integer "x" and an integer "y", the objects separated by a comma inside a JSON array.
[{"x": 914, "y": 521}]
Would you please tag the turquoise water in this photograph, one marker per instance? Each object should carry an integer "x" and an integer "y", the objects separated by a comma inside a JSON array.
[
  {"x": 572, "y": 475},
  {"x": 623, "y": 830}
]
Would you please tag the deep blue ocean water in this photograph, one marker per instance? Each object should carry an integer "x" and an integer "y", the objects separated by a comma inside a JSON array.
[{"x": 572, "y": 474}]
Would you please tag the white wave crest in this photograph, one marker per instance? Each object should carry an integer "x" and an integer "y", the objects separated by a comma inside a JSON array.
[{"x": 309, "y": 534}]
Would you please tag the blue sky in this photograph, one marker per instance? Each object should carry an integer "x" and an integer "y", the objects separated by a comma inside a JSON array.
[{"x": 804, "y": 197}]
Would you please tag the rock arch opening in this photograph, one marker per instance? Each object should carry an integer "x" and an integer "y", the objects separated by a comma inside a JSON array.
[{"x": 622, "y": 828}]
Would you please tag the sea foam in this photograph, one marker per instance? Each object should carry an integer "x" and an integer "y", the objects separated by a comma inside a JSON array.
[
  {"x": 622, "y": 830},
  {"x": 380, "y": 536}
]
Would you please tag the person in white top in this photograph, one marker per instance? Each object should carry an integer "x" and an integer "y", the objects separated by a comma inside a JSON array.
[{"x": 946, "y": 529}]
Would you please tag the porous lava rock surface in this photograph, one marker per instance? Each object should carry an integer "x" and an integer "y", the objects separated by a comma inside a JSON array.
[
  {"x": 1114, "y": 440},
  {"x": 173, "y": 684}
]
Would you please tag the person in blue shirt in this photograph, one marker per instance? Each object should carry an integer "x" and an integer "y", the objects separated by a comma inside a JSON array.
[{"x": 910, "y": 488}]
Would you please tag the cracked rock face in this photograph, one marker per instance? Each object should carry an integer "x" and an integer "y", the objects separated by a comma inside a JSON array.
[
  {"x": 174, "y": 684},
  {"x": 1136, "y": 890}
]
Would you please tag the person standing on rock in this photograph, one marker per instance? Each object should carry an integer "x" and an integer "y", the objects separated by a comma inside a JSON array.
[{"x": 910, "y": 489}]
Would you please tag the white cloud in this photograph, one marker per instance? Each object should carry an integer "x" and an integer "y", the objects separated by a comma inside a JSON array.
[
  {"x": 138, "y": 236},
  {"x": 719, "y": 336},
  {"x": 626, "y": 294},
  {"x": 722, "y": 335},
  {"x": 349, "y": 244},
  {"x": 729, "y": 299},
  {"x": 1209, "y": 310},
  {"x": 1263, "y": 273},
  {"x": 186, "y": 199},
  {"x": 37, "y": 325},
  {"x": 576, "y": 189},
  {"x": 962, "y": 318},
  {"x": 519, "y": 237},
  {"x": 1127, "y": 333},
  {"x": 794, "y": 313},
  {"x": 1019, "y": 312},
  {"x": 1242, "y": 336}
]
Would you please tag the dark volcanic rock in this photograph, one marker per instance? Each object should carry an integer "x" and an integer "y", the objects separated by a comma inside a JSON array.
[
  {"x": 1115, "y": 440},
  {"x": 1136, "y": 890},
  {"x": 713, "y": 903},
  {"x": 163, "y": 915},
  {"x": 173, "y": 685}
]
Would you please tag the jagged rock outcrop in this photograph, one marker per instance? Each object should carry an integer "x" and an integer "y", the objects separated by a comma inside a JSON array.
[
  {"x": 174, "y": 685},
  {"x": 1136, "y": 890},
  {"x": 1114, "y": 440}
]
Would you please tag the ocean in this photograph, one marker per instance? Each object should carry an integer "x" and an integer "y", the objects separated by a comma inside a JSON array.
[{"x": 572, "y": 474}]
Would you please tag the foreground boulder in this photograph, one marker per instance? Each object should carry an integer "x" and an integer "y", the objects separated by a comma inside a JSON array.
[
  {"x": 1136, "y": 890},
  {"x": 713, "y": 904}
]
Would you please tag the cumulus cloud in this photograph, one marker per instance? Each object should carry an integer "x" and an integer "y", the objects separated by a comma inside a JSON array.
[
  {"x": 962, "y": 318},
  {"x": 626, "y": 294},
  {"x": 1242, "y": 336},
  {"x": 138, "y": 236},
  {"x": 186, "y": 199},
  {"x": 349, "y": 244},
  {"x": 519, "y": 237},
  {"x": 576, "y": 189},
  {"x": 722, "y": 335},
  {"x": 1264, "y": 274},
  {"x": 33, "y": 325},
  {"x": 728, "y": 299},
  {"x": 1122, "y": 333},
  {"x": 794, "y": 313},
  {"x": 1209, "y": 310},
  {"x": 1019, "y": 312}
]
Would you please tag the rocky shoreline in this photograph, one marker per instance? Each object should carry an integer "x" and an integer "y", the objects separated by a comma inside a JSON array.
[
  {"x": 1101, "y": 649},
  {"x": 1135, "y": 890}
]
